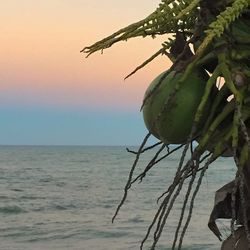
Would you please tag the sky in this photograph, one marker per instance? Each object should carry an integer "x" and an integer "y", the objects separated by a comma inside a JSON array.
[{"x": 50, "y": 94}]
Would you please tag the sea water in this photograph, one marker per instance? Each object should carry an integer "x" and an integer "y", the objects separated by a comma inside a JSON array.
[{"x": 63, "y": 197}]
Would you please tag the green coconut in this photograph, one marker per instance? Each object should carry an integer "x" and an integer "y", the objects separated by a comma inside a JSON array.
[{"x": 169, "y": 114}]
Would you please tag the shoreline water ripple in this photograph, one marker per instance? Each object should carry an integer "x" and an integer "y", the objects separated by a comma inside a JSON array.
[{"x": 55, "y": 197}]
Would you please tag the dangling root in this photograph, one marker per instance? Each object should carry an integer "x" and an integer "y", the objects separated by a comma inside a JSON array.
[
  {"x": 145, "y": 149},
  {"x": 128, "y": 185},
  {"x": 152, "y": 162},
  {"x": 178, "y": 181},
  {"x": 193, "y": 199},
  {"x": 190, "y": 185}
]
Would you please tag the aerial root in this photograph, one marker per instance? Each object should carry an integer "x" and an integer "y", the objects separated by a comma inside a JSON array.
[
  {"x": 160, "y": 212},
  {"x": 191, "y": 182},
  {"x": 166, "y": 206},
  {"x": 150, "y": 165},
  {"x": 209, "y": 161},
  {"x": 128, "y": 185},
  {"x": 145, "y": 149}
]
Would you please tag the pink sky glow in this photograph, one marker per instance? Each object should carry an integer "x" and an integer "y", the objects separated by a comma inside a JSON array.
[{"x": 40, "y": 60}]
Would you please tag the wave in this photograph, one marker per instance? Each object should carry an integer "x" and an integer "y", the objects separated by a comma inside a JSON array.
[
  {"x": 5, "y": 197},
  {"x": 17, "y": 189},
  {"x": 91, "y": 233},
  {"x": 80, "y": 161},
  {"x": 11, "y": 210},
  {"x": 64, "y": 207},
  {"x": 31, "y": 197},
  {"x": 136, "y": 219},
  {"x": 55, "y": 207}
]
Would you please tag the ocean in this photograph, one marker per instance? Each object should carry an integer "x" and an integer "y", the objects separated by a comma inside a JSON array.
[{"x": 63, "y": 197}]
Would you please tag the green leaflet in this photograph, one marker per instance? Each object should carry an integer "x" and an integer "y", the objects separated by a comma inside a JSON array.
[
  {"x": 172, "y": 16},
  {"x": 223, "y": 20},
  {"x": 162, "y": 21}
]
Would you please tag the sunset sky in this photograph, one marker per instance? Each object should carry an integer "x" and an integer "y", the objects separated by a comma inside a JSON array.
[{"x": 51, "y": 94}]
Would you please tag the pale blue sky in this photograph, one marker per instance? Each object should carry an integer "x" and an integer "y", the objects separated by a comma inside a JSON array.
[{"x": 51, "y": 126}]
